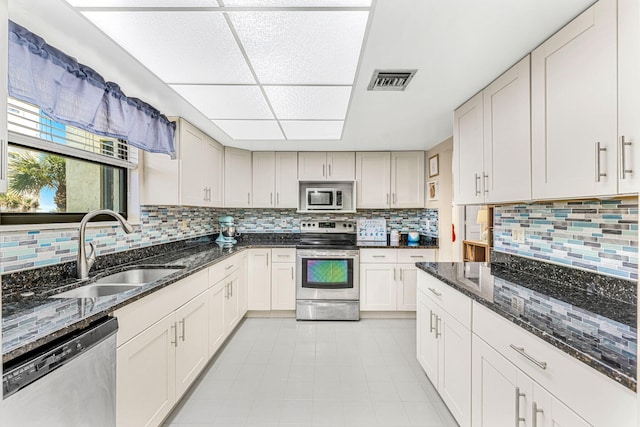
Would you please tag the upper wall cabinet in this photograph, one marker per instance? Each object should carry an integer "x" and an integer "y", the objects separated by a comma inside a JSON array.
[
  {"x": 193, "y": 179},
  {"x": 322, "y": 166},
  {"x": 4, "y": 31},
  {"x": 275, "y": 179},
  {"x": 628, "y": 96},
  {"x": 390, "y": 180},
  {"x": 574, "y": 108},
  {"x": 492, "y": 141},
  {"x": 237, "y": 178}
]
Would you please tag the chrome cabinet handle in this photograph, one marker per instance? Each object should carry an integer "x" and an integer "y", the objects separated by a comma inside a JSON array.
[
  {"x": 278, "y": 199},
  {"x": 387, "y": 198},
  {"x": 181, "y": 322},
  {"x": 534, "y": 414},
  {"x": 519, "y": 419},
  {"x": 477, "y": 178},
  {"x": 394, "y": 274},
  {"x": 522, "y": 351},
  {"x": 205, "y": 194},
  {"x": 175, "y": 334},
  {"x": 485, "y": 183},
  {"x": 431, "y": 328},
  {"x": 228, "y": 267},
  {"x": 436, "y": 293},
  {"x": 323, "y": 167},
  {"x": 416, "y": 256},
  {"x": 231, "y": 289},
  {"x": 378, "y": 256},
  {"x": 291, "y": 273},
  {"x": 226, "y": 291},
  {"x": 267, "y": 259},
  {"x": 623, "y": 158},
  {"x": 599, "y": 173},
  {"x": 400, "y": 274},
  {"x": 438, "y": 321},
  {"x": 395, "y": 198},
  {"x": 270, "y": 199},
  {"x": 329, "y": 169},
  {"x": 248, "y": 198}
]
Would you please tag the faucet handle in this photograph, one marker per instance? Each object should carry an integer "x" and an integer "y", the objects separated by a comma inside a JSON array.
[{"x": 92, "y": 255}]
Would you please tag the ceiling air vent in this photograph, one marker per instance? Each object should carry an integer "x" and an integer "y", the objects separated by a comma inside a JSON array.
[{"x": 391, "y": 79}]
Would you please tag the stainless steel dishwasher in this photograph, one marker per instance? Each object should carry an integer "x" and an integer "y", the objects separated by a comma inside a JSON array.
[{"x": 71, "y": 382}]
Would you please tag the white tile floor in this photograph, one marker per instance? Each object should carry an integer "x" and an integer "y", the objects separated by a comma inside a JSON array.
[{"x": 279, "y": 372}]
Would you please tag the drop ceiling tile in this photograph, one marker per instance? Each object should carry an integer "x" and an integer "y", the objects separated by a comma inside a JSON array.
[
  {"x": 308, "y": 129},
  {"x": 143, "y": 3},
  {"x": 309, "y": 102},
  {"x": 302, "y": 47},
  {"x": 250, "y": 129},
  {"x": 179, "y": 47},
  {"x": 298, "y": 3},
  {"x": 226, "y": 102}
]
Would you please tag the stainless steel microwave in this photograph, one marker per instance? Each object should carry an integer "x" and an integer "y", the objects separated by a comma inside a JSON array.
[{"x": 323, "y": 199}]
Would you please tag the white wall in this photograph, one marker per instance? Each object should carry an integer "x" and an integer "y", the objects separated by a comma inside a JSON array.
[{"x": 444, "y": 204}]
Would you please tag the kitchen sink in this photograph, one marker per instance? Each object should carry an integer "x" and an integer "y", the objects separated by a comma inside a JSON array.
[{"x": 118, "y": 282}]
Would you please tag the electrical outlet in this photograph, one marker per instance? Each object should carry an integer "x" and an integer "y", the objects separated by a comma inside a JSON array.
[
  {"x": 184, "y": 224},
  {"x": 283, "y": 223},
  {"x": 517, "y": 235},
  {"x": 517, "y": 304}
]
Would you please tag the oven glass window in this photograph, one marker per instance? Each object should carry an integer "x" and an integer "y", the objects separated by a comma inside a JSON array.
[
  {"x": 327, "y": 273},
  {"x": 320, "y": 198}
]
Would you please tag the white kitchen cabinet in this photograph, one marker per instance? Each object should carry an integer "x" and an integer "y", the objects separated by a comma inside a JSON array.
[
  {"x": 217, "y": 332},
  {"x": 259, "y": 279},
  {"x": 237, "y": 178},
  {"x": 275, "y": 179},
  {"x": 628, "y": 96},
  {"x": 194, "y": 178},
  {"x": 390, "y": 180},
  {"x": 388, "y": 278},
  {"x": 231, "y": 311},
  {"x": 444, "y": 343},
  {"x": 283, "y": 282},
  {"x": 4, "y": 155},
  {"x": 492, "y": 141},
  {"x": 574, "y": 108},
  {"x": 326, "y": 166},
  {"x": 192, "y": 341}
]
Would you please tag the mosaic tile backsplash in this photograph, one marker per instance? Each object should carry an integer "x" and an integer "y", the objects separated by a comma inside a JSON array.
[
  {"x": 21, "y": 250},
  {"x": 615, "y": 343},
  {"x": 599, "y": 236}
]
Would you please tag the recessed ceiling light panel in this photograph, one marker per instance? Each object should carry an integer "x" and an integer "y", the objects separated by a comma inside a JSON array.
[
  {"x": 250, "y": 129},
  {"x": 143, "y": 3},
  {"x": 302, "y": 47},
  {"x": 298, "y": 3},
  {"x": 226, "y": 102},
  {"x": 312, "y": 130},
  {"x": 309, "y": 102}
]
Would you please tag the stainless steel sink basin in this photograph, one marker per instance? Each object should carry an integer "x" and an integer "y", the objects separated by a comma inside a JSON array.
[{"x": 118, "y": 282}]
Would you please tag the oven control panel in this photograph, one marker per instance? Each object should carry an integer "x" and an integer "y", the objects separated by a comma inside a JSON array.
[{"x": 327, "y": 227}]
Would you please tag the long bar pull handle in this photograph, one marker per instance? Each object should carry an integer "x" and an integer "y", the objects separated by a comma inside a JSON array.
[
  {"x": 323, "y": 167},
  {"x": 436, "y": 293},
  {"x": 181, "y": 322},
  {"x": 226, "y": 291},
  {"x": 387, "y": 198},
  {"x": 271, "y": 199},
  {"x": 599, "y": 173},
  {"x": 521, "y": 350},
  {"x": 394, "y": 274},
  {"x": 534, "y": 414},
  {"x": 278, "y": 199},
  {"x": 416, "y": 256},
  {"x": 400, "y": 269},
  {"x": 205, "y": 193},
  {"x": 395, "y": 198},
  {"x": 485, "y": 183},
  {"x": 267, "y": 259},
  {"x": 229, "y": 267},
  {"x": 431, "y": 328},
  {"x": 477, "y": 178},
  {"x": 378, "y": 256},
  {"x": 175, "y": 334},
  {"x": 329, "y": 169},
  {"x": 291, "y": 273},
  {"x": 519, "y": 419},
  {"x": 231, "y": 287},
  {"x": 438, "y": 322},
  {"x": 623, "y": 158}
]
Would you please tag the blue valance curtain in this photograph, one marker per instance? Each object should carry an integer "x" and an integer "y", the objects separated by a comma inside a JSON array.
[{"x": 74, "y": 94}]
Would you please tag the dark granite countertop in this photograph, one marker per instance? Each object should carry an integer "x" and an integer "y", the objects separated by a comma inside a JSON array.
[{"x": 585, "y": 319}]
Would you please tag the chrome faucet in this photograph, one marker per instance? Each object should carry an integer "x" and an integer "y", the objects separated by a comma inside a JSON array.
[{"x": 85, "y": 263}]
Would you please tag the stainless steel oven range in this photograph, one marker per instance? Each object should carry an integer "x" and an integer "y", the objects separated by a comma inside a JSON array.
[{"x": 328, "y": 264}]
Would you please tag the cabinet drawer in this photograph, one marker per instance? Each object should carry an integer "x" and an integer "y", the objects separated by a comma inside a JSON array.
[
  {"x": 416, "y": 255},
  {"x": 595, "y": 397},
  {"x": 138, "y": 316},
  {"x": 223, "y": 268},
  {"x": 450, "y": 300},
  {"x": 283, "y": 255},
  {"x": 378, "y": 255}
]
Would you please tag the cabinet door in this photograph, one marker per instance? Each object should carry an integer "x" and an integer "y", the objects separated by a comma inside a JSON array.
[
  {"x": 259, "y": 280},
  {"x": 378, "y": 287},
  {"x": 241, "y": 291},
  {"x": 283, "y": 286},
  {"x": 287, "y": 180},
  {"x": 454, "y": 360},
  {"x": 507, "y": 136},
  {"x": 192, "y": 351},
  {"x": 3, "y": 95},
  {"x": 427, "y": 342},
  {"x": 551, "y": 412},
  {"x": 312, "y": 166},
  {"x": 341, "y": 166},
  {"x": 406, "y": 289},
  {"x": 468, "y": 152},
  {"x": 237, "y": 178},
  {"x": 213, "y": 158},
  {"x": 217, "y": 335},
  {"x": 373, "y": 180},
  {"x": 146, "y": 368},
  {"x": 628, "y": 95},
  {"x": 264, "y": 179},
  {"x": 574, "y": 108},
  {"x": 160, "y": 177},
  {"x": 407, "y": 179},
  {"x": 192, "y": 189}
]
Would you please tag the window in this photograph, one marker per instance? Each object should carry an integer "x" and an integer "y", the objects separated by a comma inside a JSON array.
[{"x": 58, "y": 173}]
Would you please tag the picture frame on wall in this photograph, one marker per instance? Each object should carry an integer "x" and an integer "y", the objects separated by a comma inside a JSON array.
[
  {"x": 433, "y": 166},
  {"x": 433, "y": 191}
]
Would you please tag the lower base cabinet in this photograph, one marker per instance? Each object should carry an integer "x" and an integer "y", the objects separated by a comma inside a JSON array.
[{"x": 283, "y": 286}]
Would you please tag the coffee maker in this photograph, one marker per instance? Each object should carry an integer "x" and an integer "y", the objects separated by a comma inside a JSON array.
[{"x": 227, "y": 231}]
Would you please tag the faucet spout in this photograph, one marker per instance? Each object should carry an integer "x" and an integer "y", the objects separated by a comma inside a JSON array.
[{"x": 84, "y": 264}]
